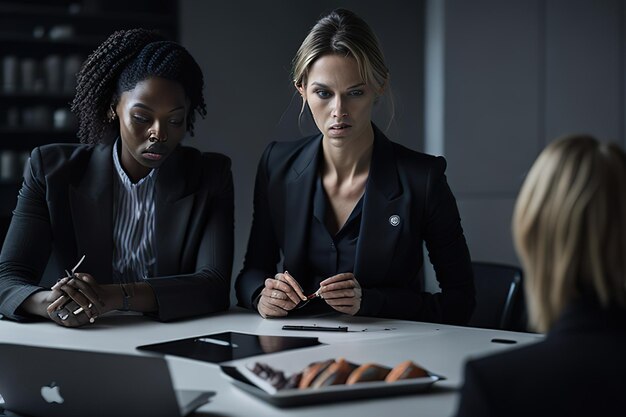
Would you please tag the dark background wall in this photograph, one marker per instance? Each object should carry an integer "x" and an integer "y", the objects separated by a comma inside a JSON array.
[
  {"x": 505, "y": 78},
  {"x": 245, "y": 49}
]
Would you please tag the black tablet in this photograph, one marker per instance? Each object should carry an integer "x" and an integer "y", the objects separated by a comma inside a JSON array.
[{"x": 229, "y": 346}]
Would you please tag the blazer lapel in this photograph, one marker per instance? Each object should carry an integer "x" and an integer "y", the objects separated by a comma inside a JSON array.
[
  {"x": 91, "y": 205},
  {"x": 298, "y": 206},
  {"x": 383, "y": 215},
  {"x": 172, "y": 210}
]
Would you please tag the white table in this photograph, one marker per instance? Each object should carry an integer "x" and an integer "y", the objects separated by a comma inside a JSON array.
[{"x": 439, "y": 348}]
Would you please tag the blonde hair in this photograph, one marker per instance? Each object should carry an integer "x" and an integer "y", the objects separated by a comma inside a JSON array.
[
  {"x": 343, "y": 33},
  {"x": 569, "y": 226}
]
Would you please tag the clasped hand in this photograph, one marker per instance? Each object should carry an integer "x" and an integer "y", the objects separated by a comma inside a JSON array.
[
  {"x": 78, "y": 300},
  {"x": 282, "y": 294}
]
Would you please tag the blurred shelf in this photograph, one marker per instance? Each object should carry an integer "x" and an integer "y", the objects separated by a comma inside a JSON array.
[
  {"x": 35, "y": 95},
  {"x": 25, "y": 139},
  {"x": 43, "y": 97},
  {"x": 100, "y": 18},
  {"x": 19, "y": 131},
  {"x": 21, "y": 40}
]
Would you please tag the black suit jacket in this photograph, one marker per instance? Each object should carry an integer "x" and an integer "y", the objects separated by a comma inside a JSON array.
[
  {"x": 389, "y": 258},
  {"x": 65, "y": 210},
  {"x": 578, "y": 370}
]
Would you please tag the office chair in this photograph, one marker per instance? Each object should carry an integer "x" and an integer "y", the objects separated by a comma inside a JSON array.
[{"x": 499, "y": 297}]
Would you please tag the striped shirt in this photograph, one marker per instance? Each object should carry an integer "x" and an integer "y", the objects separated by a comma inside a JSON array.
[{"x": 133, "y": 226}]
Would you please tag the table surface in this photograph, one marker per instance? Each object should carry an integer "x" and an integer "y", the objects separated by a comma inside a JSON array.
[{"x": 441, "y": 349}]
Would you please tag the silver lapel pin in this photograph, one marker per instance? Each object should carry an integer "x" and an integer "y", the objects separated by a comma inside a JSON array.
[{"x": 394, "y": 220}]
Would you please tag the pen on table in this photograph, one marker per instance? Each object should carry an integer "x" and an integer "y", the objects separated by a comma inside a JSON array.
[
  {"x": 316, "y": 328},
  {"x": 504, "y": 341},
  {"x": 216, "y": 342}
]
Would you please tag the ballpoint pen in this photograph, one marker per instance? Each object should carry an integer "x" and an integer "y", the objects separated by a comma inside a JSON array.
[
  {"x": 315, "y": 294},
  {"x": 308, "y": 298},
  {"x": 316, "y": 328},
  {"x": 70, "y": 274}
]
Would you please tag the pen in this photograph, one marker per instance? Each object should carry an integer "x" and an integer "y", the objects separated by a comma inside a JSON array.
[
  {"x": 504, "y": 341},
  {"x": 316, "y": 328},
  {"x": 216, "y": 342}
]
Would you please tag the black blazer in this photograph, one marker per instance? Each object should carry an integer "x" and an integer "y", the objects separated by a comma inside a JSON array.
[
  {"x": 389, "y": 258},
  {"x": 578, "y": 370},
  {"x": 65, "y": 210}
]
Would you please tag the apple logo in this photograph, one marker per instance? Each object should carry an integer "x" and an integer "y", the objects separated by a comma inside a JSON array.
[{"x": 52, "y": 393}]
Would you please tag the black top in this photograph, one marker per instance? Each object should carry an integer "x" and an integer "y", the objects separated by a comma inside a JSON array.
[
  {"x": 331, "y": 254},
  {"x": 407, "y": 202},
  {"x": 579, "y": 370},
  {"x": 328, "y": 254}
]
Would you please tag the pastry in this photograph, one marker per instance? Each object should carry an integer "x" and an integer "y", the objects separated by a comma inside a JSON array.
[
  {"x": 368, "y": 372},
  {"x": 293, "y": 381},
  {"x": 335, "y": 374},
  {"x": 330, "y": 372},
  {"x": 273, "y": 377},
  {"x": 312, "y": 371},
  {"x": 406, "y": 370}
]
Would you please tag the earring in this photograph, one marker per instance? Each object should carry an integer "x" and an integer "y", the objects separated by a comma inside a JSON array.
[{"x": 112, "y": 115}]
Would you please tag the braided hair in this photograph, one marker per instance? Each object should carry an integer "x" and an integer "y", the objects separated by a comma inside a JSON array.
[{"x": 126, "y": 58}]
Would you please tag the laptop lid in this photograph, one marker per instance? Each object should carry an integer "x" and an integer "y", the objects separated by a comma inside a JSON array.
[{"x": 41, "y": 381}]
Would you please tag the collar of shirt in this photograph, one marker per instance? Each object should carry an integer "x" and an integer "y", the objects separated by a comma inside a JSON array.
[
  {"x": 321, "y": 205},
  {"x": 124, "y": 180}
]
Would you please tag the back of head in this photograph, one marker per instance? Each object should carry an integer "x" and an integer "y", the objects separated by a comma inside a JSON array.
[
  {"x": 569, "y": 227},
  {"x": 126, "y": 58},
  {"x": 344, "y": 33}
]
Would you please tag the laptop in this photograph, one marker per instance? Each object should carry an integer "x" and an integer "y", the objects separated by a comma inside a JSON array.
[{"x": 42, "y": 381}]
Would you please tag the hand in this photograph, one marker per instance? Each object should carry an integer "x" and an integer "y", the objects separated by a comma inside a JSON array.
[
  {"x": 280, "y": 295},
  {"x": 70, "y": 315},
  {"x": 80, "y": 292},
  {"x": 342, "y": 292}
]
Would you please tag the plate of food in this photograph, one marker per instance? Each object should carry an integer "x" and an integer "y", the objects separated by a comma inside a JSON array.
[{"x": 330, "y": 380}]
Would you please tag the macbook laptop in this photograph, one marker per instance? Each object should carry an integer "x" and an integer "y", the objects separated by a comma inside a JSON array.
[{"x": 41, "y": 381}]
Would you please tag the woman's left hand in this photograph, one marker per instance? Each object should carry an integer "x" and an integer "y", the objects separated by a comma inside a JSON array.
[{"x": 342, "y": 292}]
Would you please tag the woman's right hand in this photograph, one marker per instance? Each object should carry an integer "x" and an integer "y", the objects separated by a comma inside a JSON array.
[{"x": 280, "y": 295}]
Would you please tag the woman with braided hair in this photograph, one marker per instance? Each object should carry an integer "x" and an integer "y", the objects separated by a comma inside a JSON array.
[{"x": 153, "y": 219}]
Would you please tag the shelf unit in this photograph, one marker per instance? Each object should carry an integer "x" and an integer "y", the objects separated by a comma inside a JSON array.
[{"x": 42, "y": 45}]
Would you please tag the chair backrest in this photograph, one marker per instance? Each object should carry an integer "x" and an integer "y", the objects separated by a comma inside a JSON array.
[{"x": 499, "y": 296}]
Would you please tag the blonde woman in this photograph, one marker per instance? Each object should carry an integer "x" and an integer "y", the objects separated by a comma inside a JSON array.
[
  {"x": 570, "y": 232},
  {"x": 348, "y": 210}
]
